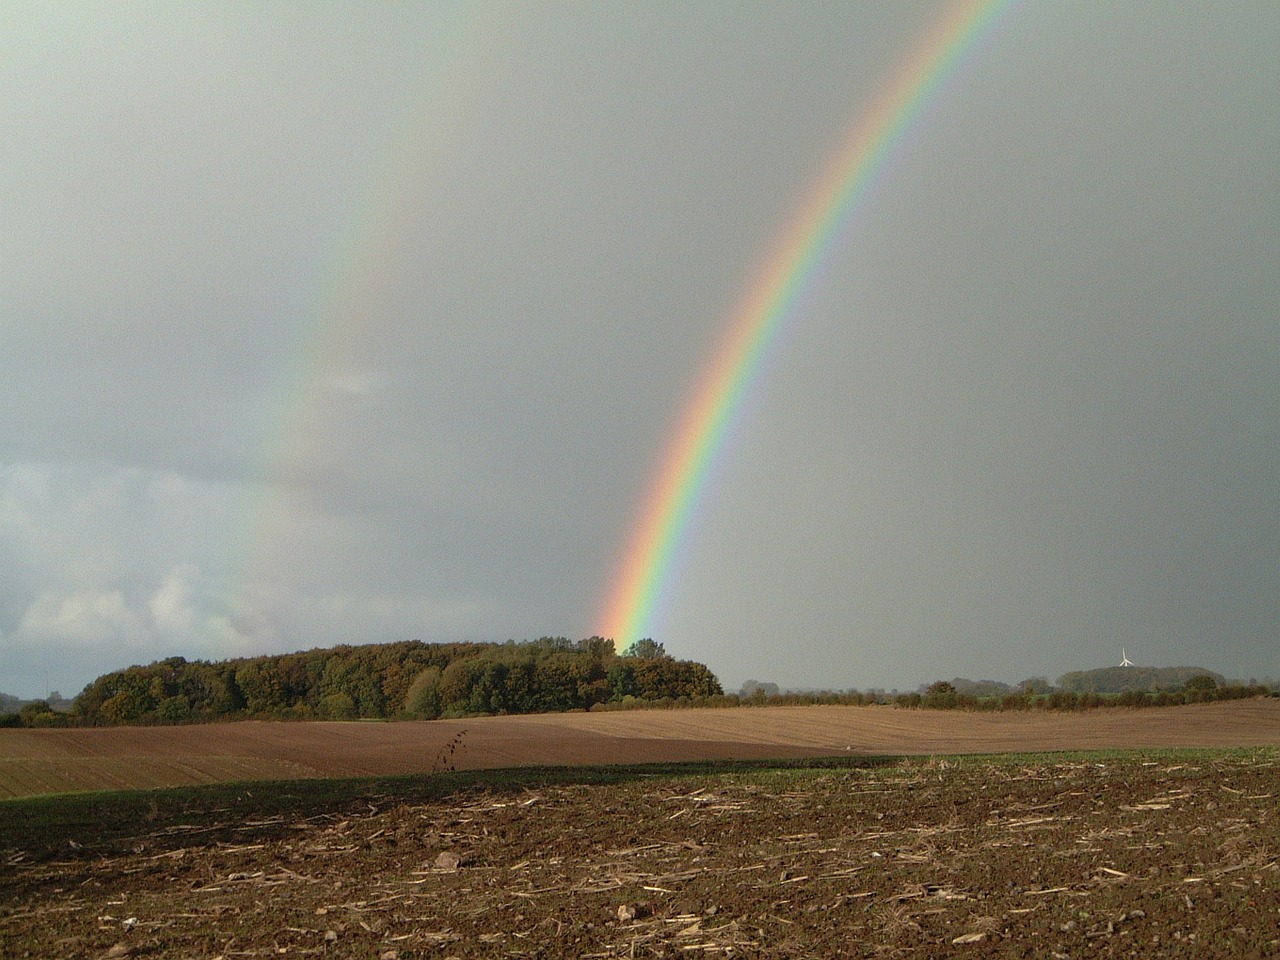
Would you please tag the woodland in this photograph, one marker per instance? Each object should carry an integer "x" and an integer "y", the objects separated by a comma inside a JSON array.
[{"x": 408, "y": 680}]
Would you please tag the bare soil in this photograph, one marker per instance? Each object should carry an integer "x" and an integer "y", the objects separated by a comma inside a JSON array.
[
  {"x": 1171, "y": 855},
  {"x": 1164, "y": 853},
  {"x": 60, "y": 760}
]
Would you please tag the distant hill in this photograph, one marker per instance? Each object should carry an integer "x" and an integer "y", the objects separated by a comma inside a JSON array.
[
  {"x": 1126, "y": 679},
  {"x": 56, "y": 701}
]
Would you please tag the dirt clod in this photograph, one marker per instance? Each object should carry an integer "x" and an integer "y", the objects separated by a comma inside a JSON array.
[{"x": 448, "y": 861}]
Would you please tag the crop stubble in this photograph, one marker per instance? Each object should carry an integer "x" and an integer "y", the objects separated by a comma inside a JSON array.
[
  {"x": 1168, "y": 855},
  {"x": 1171, "y": 855}
]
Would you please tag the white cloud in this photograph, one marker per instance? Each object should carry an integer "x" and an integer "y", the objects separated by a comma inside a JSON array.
[
  {"x": 76, "y": 634},
  {"x": 352, "y": 617},
  {"x": 22, "y": 487},
  {"x": 188, "y": 612},
  {"x": 91, "y": 525},
  {"x": 357, "y": 384},
  {"x": 85, "y": 616},
  {"x": 172, "y": 608}
]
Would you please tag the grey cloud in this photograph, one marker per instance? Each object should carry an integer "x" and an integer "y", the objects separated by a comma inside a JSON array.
[{"x": 321, "y": 328}]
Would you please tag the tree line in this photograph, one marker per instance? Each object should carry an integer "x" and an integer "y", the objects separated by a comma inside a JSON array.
[
  {"x": 949, "y": 695},
  {"x": 406, "y": 680},
  {"x": 413, "y": 680}
]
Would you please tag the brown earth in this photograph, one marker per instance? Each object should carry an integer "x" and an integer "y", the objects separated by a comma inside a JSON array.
[
  {"x": 1155, "y": 855},
  {"x": 59, "y": 760}
]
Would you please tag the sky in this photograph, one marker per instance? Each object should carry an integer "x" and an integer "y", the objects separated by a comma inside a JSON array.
[{"x": 331, "y": 323}]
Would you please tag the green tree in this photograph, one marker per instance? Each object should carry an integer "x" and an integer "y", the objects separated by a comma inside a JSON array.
[
  {"x": 259, "y": 682},
  {"x": 173, "y": 710},
  {"x": 622, "y": 680},
  {"x": 455, "y": 685},
  {"x": 336, "y": 706},
  {"x": 646, "y": 649},
  {"x": 375, "y": 680},
  {"x": 941, "y": 695},
  {"x": 488, "y": 683},
  {"x": 38, "y": 713},
  {"x": 124, "y": 707},
  {"x": 668, "y": 679},
  {"x": 597, "y": 648},
  {"x": 422, "y": 701},
  {"x": 557, "y": 683},
  {"x": 1200, "y": 687}
]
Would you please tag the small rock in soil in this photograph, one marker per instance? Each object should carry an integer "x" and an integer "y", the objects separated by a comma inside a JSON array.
[
  {"x": 448, "y": 860},
  {"x": 632, "y": 911}
]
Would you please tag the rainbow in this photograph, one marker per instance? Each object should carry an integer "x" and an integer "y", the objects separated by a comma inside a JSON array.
[
  {"x": 772, "y": 305},
  {"x": 350, "y": 272}
]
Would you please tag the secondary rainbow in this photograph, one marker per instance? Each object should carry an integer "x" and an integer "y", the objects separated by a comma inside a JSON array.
[
  {"x": 351, "y": 271},
  {"x": 643, "y": 577}
]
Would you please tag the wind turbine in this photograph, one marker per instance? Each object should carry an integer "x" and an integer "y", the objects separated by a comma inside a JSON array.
[{"x": 1124, "y": 659}]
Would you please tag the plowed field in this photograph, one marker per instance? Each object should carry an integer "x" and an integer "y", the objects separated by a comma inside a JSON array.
[
  {"x": 1157, "y": 855},
  {"x": 49, "y": 761},
  {"x": 1161, "y": 853}
]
